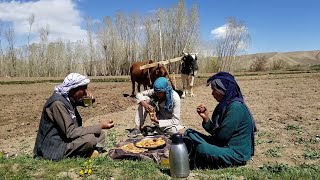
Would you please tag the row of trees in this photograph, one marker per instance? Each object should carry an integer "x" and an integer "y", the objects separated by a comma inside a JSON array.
[{"x": 112, "y": 45}]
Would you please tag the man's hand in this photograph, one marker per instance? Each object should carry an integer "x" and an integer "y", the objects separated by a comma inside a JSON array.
[
  {"x": 202, "y": 111},
  {"x": 106, "y": 124},
  {"x": 91, "y": 96},
  {"x": 154, "y": 118},
  {"x": 147, "y": 106},
  {"x": 181, "y": 131}
]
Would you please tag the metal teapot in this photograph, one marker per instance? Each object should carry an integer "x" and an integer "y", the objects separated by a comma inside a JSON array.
[{"x": 178, "y": 157}]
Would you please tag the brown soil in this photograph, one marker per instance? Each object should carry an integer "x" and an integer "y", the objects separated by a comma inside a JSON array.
[{"x": 286, "y": 109}]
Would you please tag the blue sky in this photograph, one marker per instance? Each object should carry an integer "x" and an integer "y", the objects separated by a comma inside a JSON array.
[{"x": 274, "y": 25}]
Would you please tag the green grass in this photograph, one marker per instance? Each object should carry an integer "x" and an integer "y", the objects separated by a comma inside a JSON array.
[
  {"x": 315, "y": 67},
  {"x": 265, "y": 137},
  {"x": 273, "y": 152},
  {"x": 311, "y": 154},
  {"x": 294, "y": 127},
  {"x": 25, "y": 167}
]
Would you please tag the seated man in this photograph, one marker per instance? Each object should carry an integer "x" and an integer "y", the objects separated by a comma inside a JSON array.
[
  {"x": 162, "y": 104},
  {"x": 61, "y": 133}
]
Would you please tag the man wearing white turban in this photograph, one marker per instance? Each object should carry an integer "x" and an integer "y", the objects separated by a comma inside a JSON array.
[{"x": 61, "y": 133}]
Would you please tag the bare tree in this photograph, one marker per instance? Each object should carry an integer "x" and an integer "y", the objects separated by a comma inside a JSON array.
[
  {"x": 80, "y": 56},
  {"x": 192, "y": 30},
  {"x": 90, "y": 31},
  {"x": 122, "y": 40},
  {"x": 1, "y": 53},
  {"x": 129, "y": 26},
  {"x": 107, "y": 37},
  {"x": 259, "y": 63},
  {"x": 235, "y": 40},
  {"x": 179, "y": 27},
  {"x": 43, "y": 58},
  {"x": 9, "y": 34},
  {"x": 136, "y": 37},
  {"x": 122, "y": 43},
  {"x": 151, "y": 39},
  {"x": 31, "y": 21},
  {"x": 104, "y": 41}
]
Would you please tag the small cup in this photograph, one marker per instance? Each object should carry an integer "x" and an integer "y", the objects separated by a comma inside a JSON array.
[
  {"x": 87, "y": 101},
  {"x": 165, "y": 162}
]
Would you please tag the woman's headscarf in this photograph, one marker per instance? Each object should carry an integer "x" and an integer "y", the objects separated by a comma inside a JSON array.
[
  {"x": 227, "y": 85},
  {"x": 161, "y": 85},
  {"x": 73, "y": 80}
]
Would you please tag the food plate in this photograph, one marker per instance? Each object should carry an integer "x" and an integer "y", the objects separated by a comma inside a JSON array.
[
  {"x": 150, "y": 142},
  {"x": 131, "y": 148}
]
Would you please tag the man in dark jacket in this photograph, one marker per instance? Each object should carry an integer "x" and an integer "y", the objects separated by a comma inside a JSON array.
[{"x": 61, "y": 133}]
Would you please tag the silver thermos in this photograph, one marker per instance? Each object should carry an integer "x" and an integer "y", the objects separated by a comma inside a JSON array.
[{"x": 178, "y": 157}]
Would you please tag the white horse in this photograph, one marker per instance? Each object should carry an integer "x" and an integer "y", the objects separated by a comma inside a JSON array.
[{"x": 189, "y": 67}]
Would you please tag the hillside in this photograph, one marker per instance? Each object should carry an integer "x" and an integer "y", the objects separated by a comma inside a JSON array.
[{"x": 296, "y": 58}]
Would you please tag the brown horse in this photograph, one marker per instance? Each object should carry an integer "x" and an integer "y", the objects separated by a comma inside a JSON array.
[{"x": 147, "y": 76}]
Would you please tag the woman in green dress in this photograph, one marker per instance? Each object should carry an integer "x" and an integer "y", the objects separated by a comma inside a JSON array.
[{"x": 231, "y": 128}]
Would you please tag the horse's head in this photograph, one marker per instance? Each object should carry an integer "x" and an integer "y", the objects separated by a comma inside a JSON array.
[
  {"x": 189, "y": 63},
  {"x": 189, "y": 57},
  {"x": 160, "y": 70}
]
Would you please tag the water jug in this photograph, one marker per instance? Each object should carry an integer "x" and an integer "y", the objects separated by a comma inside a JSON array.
[{"x": 178, "y": 157}]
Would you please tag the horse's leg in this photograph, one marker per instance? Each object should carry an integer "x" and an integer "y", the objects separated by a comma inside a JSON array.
[
  {"x": 192, "y": 83},
  {"x": 191, "y": 86},
  {"x": 133, "y": 88},
  {"x": 188, "y": 84},
  {"x": 139, "y": 87},
  {"x": 184, "y": 84}
]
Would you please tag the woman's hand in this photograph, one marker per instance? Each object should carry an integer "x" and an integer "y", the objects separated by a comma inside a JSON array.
[
  {"x": 203, "y": 112},
  {"x": 106, "y": 124}
]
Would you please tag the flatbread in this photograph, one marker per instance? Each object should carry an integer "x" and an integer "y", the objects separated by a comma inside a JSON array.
[
  {"x": 151, "y": 143},
  {"x": 132, "y": 148}
]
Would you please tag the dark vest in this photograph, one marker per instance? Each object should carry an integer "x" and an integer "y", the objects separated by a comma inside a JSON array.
[{"x": 51, "y": 143}]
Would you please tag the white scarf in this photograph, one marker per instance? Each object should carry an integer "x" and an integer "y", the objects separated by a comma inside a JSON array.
[{"x": 73, "y": 80}]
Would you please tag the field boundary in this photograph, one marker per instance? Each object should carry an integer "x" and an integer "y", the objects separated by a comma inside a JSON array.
[{"x": 35, "y": 80}]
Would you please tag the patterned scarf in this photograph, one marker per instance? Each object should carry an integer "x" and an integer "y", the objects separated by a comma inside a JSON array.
[
  {"x": 73, "y": 80},
  {"x": 161, "y": 85}
]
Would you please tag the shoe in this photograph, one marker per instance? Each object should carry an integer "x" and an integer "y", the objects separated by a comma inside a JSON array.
[
  {"x": 134, "y": 133},
  {"x": 94, "y": 154},
  {"x": 147, "y": 131},
  {"x": 100, "y": 150}
]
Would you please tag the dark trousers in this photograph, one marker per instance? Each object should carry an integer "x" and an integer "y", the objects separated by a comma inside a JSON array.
[
  {"x": 206, "y": 155},
  {"x": 84, "y": 145}
]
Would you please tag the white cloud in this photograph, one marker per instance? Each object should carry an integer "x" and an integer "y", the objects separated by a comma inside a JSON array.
[
  {"x": 219, "y": 32},
  {"x": 61, "y": 16}
]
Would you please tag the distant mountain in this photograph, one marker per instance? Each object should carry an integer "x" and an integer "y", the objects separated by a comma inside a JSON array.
[{"x": 302, "y": 58}]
